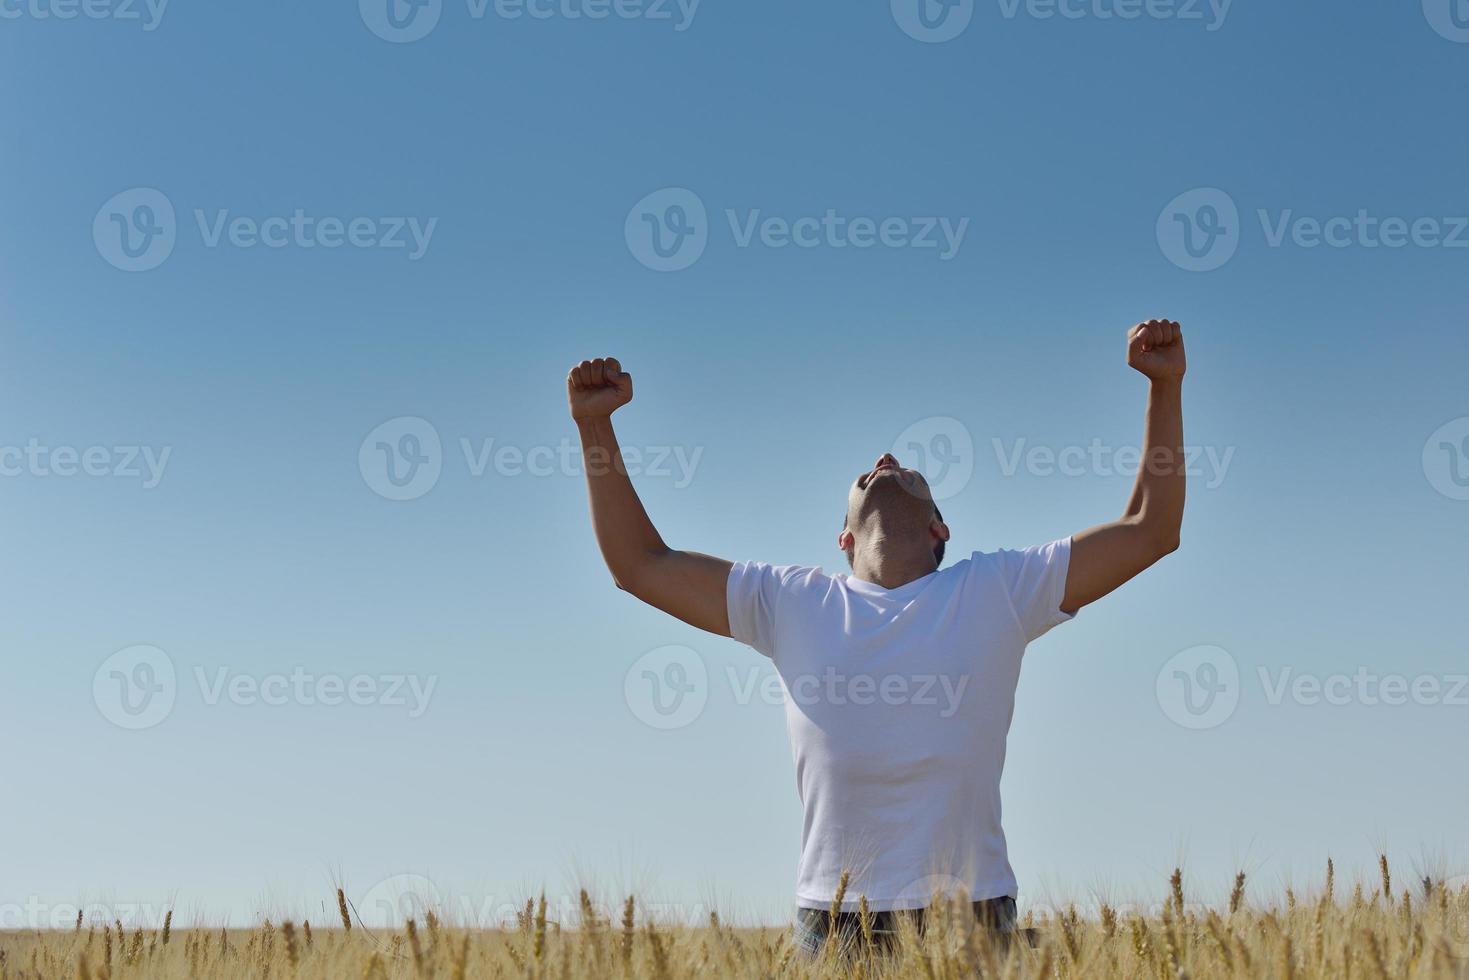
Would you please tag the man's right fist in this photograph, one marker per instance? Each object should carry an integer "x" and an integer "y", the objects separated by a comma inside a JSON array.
[
  {"x": 597, "y": 388},
  {"x": 1155, "y": 348}
]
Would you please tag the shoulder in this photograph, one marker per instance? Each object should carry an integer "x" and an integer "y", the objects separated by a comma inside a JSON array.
[
  {"x": 780, "y": 578},
  {"x": 1008, "y": 561},
  {"x": 978, "y": 563}
]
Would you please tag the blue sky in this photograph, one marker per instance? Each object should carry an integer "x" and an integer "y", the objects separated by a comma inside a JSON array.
[{"x": 1073, "y": 151}]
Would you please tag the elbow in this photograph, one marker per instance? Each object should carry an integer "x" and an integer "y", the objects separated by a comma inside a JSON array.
[
  {"x": 630, "y": 573},
  {"x": 1159, "y": 537},
  {"x": 628, "y": 579}
]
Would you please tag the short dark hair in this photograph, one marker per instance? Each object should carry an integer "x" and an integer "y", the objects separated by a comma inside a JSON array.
[{"x": 938, "y": 549}]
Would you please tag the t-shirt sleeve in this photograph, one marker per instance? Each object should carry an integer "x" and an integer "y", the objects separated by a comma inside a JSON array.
[
  {"x": 753, "y": 593},
  {"x": 1036, "y": 580}
]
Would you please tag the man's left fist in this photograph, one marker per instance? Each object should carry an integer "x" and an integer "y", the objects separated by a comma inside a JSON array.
[{"x": 1156, "y": 349}]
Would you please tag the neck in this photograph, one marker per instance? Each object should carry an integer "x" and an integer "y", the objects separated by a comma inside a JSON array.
[{"x": 891, "y": 561}]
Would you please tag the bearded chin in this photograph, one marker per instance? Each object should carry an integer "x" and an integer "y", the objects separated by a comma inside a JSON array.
[{"x": 895, "y": 503}]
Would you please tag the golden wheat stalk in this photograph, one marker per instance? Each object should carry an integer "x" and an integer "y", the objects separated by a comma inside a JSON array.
[
  {"x": 1237, "y": 896},
  {"x": 833, "y": 937},
  {"x": 288, "y": 930},
  {"x": 628, "y": 912}
]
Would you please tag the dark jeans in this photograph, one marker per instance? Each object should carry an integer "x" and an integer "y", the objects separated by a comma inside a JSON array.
[{"x": 995, "y": 915}]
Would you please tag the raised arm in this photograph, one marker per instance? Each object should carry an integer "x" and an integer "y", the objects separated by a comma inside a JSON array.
[
  {"x": 685, "y": 584},
  {"x": 1106, "y": 556}
]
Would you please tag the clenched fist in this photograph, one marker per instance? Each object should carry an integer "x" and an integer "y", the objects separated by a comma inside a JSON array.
[
  {"x": 1156, "y": 349},
  {"x": 597, "y": 388}
]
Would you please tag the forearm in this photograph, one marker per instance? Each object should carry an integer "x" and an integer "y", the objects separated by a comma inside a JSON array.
[
  {"x": 1158, "y": 495},
  {"x": 624, "y": 532},
  {"x": 1104, "y": 557}
]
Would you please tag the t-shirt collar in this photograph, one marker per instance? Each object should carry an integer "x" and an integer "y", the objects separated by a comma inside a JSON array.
[{"x": 873, "y": 589}]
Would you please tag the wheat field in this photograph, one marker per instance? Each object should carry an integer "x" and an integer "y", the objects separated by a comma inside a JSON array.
[{"x": 1373, "y": 932}]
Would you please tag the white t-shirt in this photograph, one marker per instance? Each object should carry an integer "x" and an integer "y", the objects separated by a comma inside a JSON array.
[{"x": 898, "y": 702}]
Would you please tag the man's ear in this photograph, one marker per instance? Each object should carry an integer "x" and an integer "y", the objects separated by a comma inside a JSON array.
[
  {"x": 845, "y": 539},
  {"x": 939, "y": 529}
]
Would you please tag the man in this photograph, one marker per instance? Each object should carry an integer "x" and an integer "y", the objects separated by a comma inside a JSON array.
[{"x": 900, "y": 677}]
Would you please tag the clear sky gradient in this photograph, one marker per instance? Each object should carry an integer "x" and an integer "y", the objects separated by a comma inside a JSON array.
[{"x": 1332, "y": 543}]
